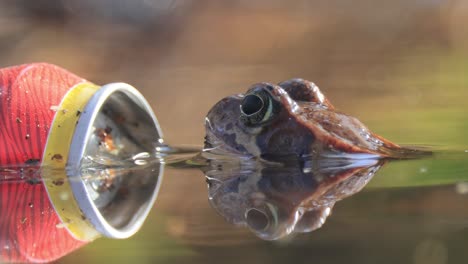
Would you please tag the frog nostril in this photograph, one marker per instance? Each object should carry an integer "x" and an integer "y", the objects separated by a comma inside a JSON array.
[
  {"x": 251, "y": 104},
  {"x": 256, "y": 219}
]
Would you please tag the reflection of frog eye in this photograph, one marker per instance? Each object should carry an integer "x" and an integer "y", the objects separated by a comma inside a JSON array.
[
  {"x": 256, "y": 108},
  {"x": 256, "y": 219},
  {"x": 260, "y": 220}
]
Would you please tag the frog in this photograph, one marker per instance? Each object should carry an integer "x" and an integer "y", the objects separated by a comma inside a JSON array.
[
  {"x": 292, "y": 118},
  {"x": 281, "y": 155}
]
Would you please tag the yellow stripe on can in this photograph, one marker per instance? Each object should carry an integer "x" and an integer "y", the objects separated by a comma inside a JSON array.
[{"x": 55, "y": 158}]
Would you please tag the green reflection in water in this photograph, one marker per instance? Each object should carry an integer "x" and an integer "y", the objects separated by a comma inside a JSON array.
[{"x": 432, "y": 171}]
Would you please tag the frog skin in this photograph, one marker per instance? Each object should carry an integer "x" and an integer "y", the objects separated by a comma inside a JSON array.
[
  {"x": 277, "y": 201},
  {"x": 291, "y": 118}
]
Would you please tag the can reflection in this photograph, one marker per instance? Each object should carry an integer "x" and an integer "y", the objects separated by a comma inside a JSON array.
[
  {"x": 70, "y": 159},
  {"x": 31, "y": 231}
]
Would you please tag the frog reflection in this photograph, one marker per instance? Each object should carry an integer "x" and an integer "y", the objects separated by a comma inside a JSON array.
[{"x": 276, "y": 200}]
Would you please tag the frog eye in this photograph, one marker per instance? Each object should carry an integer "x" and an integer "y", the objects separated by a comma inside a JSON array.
[
  {"x": 251, "y": 104},
  {"x": 256, "y": 108}
]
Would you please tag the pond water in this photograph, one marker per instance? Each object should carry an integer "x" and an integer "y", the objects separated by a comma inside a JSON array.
[
  {"x": 399, "y": 66},
  {"x": 410, "y": 212},
  {"x": 423, "y": 222}
]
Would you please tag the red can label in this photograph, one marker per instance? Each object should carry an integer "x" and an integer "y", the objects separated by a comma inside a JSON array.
[{"x": 30, "y": 229}]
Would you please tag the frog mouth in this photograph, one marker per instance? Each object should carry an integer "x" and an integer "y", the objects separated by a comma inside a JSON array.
[{"x": 215, "y": 145}]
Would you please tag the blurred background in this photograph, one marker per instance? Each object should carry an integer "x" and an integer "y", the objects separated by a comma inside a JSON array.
[{"x": 399, "y": 66}]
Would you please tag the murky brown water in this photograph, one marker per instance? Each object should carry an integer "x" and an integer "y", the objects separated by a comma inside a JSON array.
[{"x": 399, "y": 66}]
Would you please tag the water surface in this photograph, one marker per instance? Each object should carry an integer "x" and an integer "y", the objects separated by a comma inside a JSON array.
[{"x": 410, "y": 210}]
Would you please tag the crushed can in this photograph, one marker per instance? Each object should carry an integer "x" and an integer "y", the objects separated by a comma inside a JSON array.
[{"x": 75, "y": 138}]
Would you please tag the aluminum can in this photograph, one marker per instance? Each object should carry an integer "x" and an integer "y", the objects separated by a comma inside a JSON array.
[{"x": 69, "y": 145}]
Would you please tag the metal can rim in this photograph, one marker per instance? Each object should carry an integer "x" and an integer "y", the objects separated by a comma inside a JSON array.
[{"x": 81, "y": 135}]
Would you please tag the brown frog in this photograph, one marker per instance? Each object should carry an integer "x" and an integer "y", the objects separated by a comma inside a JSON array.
[
  {"x": 291, "y": 118},
  {"x": 295, "y": 157}
]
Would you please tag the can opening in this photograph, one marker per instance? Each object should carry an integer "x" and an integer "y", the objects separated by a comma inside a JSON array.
[{"x": 115, "y": 190}]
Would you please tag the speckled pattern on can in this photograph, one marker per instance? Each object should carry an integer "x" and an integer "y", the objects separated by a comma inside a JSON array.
[{"x": 29, "y": 224}]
